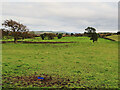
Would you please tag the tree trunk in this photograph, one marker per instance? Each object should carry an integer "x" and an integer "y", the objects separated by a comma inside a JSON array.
[{"x": 15, "y": 40}]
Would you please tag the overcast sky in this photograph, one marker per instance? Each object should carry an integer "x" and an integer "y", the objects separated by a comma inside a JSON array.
[{"x": 63, "y": 16}]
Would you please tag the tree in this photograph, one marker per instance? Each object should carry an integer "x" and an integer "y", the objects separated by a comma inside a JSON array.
[
  {"x": 72, "y": 34},
  {"x": 118, "y": 32},
  {"x": 59, "y": 36},
  {"x": 50, "y": 36},
  {"x": 56, "y": 33},
  {"x": 94, "y": 37},
  {"x": 43, "y": 36},
  {"x": 67, "y": 33},
  {"x": 4, "y": 32},
  {"x": 24, "y": 35},
  {"x": 15, "y": 27},
  {"x": 91, "y": 32}
]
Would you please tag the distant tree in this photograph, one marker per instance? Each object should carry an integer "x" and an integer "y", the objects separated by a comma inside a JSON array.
[
  {"x": 118, "y": 32},
  {"x": 31, "y": 32},
  {"x": 50, "y": 36},
  {"x": 15, "y": 27},
  {"x": 43, "y": 36},
  {"x": 72, "y": 34},
  {"x": 59, "y": 36},
  {"x": 24, "y": 35},
  {"x": 91, "y": 32},
  {"x": 67, "y": 33},
  {"x": 78, "y": 34},
  {"x": 94, "y": 37},
  {"x": 56, "y": 33},
  {"x": 4, "y": 32}
]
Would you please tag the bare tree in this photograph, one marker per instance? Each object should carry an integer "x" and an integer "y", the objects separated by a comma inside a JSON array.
[{"x": 15, "y": 27}]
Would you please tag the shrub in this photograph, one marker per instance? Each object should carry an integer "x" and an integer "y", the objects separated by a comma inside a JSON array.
[
  {"x": 78, "y": 34},
  {"x": 50, "y": 36},
  {"x": 72, "y": 34},
  {"x": 59, "y": 36},
  {"x": 42, "y": 36}
]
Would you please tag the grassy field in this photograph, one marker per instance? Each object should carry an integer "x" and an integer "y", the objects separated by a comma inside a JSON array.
[
  {"x": 114, "y": 37},
  {"x": 38, "y": 39},
  {"x": 80, "y": 65}
]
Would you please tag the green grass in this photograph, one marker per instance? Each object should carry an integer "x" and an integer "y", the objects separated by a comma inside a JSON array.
[
  {"x": 96, "y": 65},
  {"x": 63, "y": 39},
  {"x": 114, "y": 37},
  {"x": 38, "y": 39}
]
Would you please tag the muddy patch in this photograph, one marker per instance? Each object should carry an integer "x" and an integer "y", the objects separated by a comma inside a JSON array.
[{"x": 32, "y": 81}]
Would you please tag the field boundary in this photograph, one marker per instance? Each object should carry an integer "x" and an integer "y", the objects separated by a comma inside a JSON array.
[
  {"x": 34, "y": 42},
  {"x": 109, "y": 39}
]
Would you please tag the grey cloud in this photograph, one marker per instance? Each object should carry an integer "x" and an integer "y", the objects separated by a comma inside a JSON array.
[{"x": 73, "y": 17}]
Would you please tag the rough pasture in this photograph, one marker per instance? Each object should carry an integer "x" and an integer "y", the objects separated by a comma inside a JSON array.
[{"x": 86, "y": 64}]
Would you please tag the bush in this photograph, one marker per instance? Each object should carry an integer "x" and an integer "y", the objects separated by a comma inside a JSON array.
[
  {"x": 59, "y": 36},
  {"x": 78, "y": 35},
  {"x": 42, "y": 36},
  {"x": 51, "y": 36},
  {"x": 72, "y": 34}
]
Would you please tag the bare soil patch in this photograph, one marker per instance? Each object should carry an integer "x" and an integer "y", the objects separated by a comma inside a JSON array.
[{"x": 32, "y": 80}]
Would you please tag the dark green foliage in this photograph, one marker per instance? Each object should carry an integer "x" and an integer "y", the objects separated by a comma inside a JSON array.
[
  {"x": 42, "y": 36},
  {"x": 59, "y": 36},
  {"x": 118, "y": 32},
  {"x": 94, "y": 37},
  {"x": 50, "y": 36},
  {"x": 72, "y": 34},
  {"x": 67, "y": 33},
  {"x": 56, "y": 33},
  {"x": 78, "y": 34},
  {"x": 91, "y": 32}
]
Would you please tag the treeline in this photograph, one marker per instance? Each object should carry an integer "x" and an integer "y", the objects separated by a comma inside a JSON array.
[
  {"x": 17, "y": 31},
  {"x": 50, "y": 36},
  {"x": 24, "y": 35},
  {"x": 19, "y": 35},
  {"x": 100, "y": 35},
  {"x": 103, "y": 35}
]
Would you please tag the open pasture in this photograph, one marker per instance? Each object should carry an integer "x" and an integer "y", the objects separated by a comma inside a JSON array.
[
  {"x": 81, "y": 65},
  {"x": 114, "y": 37}
]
